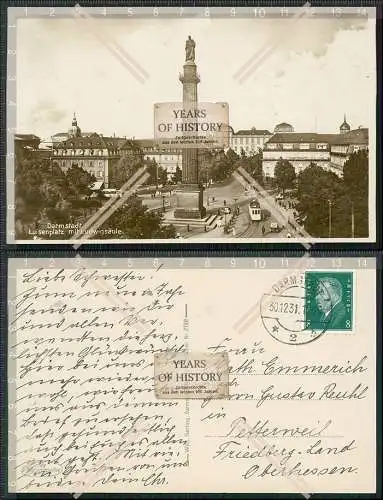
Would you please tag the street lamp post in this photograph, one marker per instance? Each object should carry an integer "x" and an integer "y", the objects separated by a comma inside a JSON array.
[{"x": 329, "y": 218}]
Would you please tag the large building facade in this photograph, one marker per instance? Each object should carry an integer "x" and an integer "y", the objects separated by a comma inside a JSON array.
[
  {"x": 342, "y": 147},
  {"x": 300, "y": 149},
  {"x": 168, "y": 159},
  {"x": 97, "y": 154},
  {"x": 329, "y": 151},
  {"x": 249, "y": 141}
]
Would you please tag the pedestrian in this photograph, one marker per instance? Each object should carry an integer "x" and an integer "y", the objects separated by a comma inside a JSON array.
[
  {"x": 224, "y": 203},
  {"x": 263, "y": 230}
]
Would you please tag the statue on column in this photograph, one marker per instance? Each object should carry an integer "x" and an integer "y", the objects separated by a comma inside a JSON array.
[{"x": 190, "y": 50}]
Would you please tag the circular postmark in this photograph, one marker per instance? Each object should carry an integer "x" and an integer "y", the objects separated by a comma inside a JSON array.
[{"x": 285, "y": 312}]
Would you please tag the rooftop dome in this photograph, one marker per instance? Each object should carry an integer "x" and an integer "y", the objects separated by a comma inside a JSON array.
[{"x": 283, "y": 127}]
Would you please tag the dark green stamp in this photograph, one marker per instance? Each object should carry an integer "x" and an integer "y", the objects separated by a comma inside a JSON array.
[{"x": 329, "y": 300}]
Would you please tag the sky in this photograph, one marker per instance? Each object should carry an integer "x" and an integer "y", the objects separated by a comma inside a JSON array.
[{"x": 307, "y": 72}]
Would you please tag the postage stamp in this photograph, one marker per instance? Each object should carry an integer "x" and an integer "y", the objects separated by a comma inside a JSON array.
[
  {"x": 329, "y": 300},
  {"x": 191, "y": 375},
  {"x": 303, "y": 306},
  {"x": 283, "y": 312}
]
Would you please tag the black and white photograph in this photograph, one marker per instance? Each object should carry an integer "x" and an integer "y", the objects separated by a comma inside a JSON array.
[{"x": 172, "y": 126}]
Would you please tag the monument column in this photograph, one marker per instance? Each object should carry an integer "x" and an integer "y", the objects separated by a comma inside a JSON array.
[{"x": 190, "y": 80}]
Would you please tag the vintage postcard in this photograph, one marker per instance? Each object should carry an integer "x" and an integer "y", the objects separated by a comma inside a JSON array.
[
  {"x": 192, "y": 375},
  {"x": 191, "y": 125}
]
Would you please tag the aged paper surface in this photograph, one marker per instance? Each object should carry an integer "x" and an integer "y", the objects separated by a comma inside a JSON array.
[
  {"x": 299, "y": 336},
  {"x": 191, "y": 125}
]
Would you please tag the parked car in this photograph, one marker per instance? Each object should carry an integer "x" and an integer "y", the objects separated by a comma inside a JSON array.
[{"x": 275, "y": 227}]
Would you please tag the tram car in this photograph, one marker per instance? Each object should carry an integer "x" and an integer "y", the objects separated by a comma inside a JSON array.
[{"x": 255, "y": 210}]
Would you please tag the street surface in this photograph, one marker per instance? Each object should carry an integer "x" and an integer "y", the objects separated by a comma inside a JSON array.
[{"x": 234, "y": 194}]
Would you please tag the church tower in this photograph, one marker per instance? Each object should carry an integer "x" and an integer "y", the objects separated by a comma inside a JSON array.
[
  {"x": 75, "y": 130},
  {"x": 345, "y": 127}
]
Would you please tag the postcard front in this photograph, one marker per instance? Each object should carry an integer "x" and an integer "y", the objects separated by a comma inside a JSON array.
[
  {"x": 191, "y": 125},
  {"x": 141, "y": 375}
]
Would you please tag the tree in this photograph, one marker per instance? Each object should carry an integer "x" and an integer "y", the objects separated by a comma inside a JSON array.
[
  {"x": 79, "y": 181},
  {"x": 355, "y": 173},
  {"x": 253, "y": 165},
  {"x": 122, "y": 171},
  {"x": 158, "y": 175},
  {"x": 232, "y": 155},
  {"x": 162, "y": 176},
  {"x": 321, "y": 199},
  {"x": 135, "y": 221},
  {"x": 284, "y": 174},
  {"x": 44, "y": 194},
  {"x": 355, "y": 176},
  {"x": 177, "y": 176},
  {"x": 326, "y": 200},
  {"x": 131, "y": 160}
]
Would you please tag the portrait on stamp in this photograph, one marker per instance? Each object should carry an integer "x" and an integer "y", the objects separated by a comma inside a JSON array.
[{"x": 329, "y": 299}]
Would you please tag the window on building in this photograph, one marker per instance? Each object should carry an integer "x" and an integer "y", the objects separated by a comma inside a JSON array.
[{"x": 304, "y": 146}]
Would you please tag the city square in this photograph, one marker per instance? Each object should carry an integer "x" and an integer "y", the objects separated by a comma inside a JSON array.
[{"x": 198, "y": 177}]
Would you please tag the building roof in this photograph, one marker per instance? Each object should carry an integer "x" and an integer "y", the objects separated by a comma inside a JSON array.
[
  {"x": 358, "y": 136},
  {"x": 306, "y": 137},
  {"x": 26, "y": 137},
  {"x": 147, "y": 143},
  {"x": 94, "y": 140},
  {"x": 60, "y": 134},
  {"x": 252, "y": 131}
]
